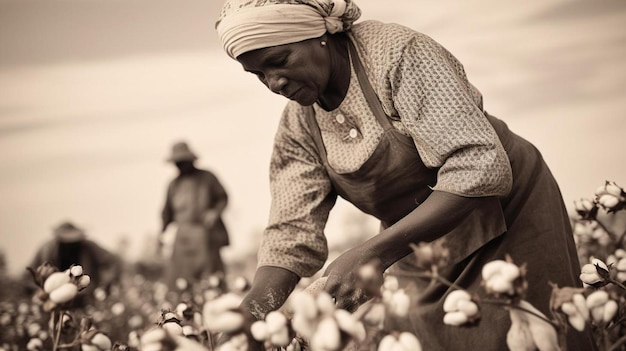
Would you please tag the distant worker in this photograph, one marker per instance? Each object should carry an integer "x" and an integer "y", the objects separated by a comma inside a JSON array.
[
  {"x": 195, "y": 203},
  {"x": 70, "y": 246}
]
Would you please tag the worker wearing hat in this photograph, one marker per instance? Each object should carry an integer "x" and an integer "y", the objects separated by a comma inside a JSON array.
[
  {"x": 194, "y": 202},
  {"x": 70, "y": 246}
]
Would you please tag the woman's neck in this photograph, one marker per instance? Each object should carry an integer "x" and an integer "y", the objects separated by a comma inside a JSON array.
[{"x": 339, "y": 79}]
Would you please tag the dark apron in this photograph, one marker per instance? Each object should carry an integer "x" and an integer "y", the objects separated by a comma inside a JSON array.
[{"x": 394, "y": 181}]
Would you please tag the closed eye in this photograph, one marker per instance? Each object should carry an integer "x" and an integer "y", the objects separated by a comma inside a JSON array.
[
  {"x": 277, "y": 59},
  {"x": 279, "y": 63}
]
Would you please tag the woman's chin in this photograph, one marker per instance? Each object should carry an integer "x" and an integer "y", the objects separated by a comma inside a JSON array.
[{"x": 305, "y": 101}]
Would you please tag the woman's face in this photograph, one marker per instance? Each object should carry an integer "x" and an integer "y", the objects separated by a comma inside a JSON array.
[{"x": 298, "y": 71}]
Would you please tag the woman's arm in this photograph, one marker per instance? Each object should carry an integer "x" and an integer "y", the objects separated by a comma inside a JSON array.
[
  {"x": 270, "y": 288},
  {"x": 440, "y": 213},
  {"x": 436, "y": 216}
]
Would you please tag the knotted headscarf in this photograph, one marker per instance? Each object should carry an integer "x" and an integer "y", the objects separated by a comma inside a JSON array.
[{"x": 246, "y": 25}]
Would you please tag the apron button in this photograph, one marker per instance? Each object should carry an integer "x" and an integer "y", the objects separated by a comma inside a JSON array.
[
  {"x": 353, "y": 133},
  {"x": 340, "y": 118}
]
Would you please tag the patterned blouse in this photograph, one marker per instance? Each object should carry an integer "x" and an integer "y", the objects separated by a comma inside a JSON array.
[{"x": 424, "y": 90}]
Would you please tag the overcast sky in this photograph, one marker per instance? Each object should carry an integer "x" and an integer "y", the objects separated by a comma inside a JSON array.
[{"x": 93, "y": 94}]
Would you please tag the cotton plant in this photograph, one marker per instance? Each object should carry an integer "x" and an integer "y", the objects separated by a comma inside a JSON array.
[
  {"x": 318, "y": 321},
  {"x": 573, "y": 304},
  {"x": 180, "y": 328},
  {"x": 222, "y": 314},
  {"x": 603, "y": 271},
  {"x": 403, "y": 341},
  {"x": 193, "y": 317},
  {"x": 94, "y": 340},
  {"x": 504, "y": 282},
  {"x": 55, "y": 292},
  {"x": 319, "y": 325},
  {"x": 86, "y": 336},
  {"x": 460, "y": 309},
  {"x": 187, "y": 326},
  {"x": 160, "y": 339},
  {"x": 35, "y": 344},
  {"x": 602, "y": 308},
  {"x": 56, "y": 289},
  {"x": 620, "y": 266},
  {"x": 597, "y": 309},
  {"x": 503, "y": 278},
  {"x": 595, "y": 232},
  {"x": 611, "y": 197},
  {"x": 530, "y": 329},
  {"x": 595, "y": 274},
  {"x": 395, "y": 299},
  {"x": 274, "y": 331},
  {"x": 598, "y": 274}
]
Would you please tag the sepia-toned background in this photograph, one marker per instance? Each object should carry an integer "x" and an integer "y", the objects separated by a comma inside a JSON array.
[{"x": 94, "y": 92}]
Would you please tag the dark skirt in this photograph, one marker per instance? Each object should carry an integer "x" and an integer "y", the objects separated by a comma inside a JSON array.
[{"x": 538, "y": 235}]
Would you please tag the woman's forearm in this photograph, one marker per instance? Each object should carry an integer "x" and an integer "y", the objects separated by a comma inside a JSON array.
[
  {"x": 436, "y": 216},
  {"x": 269, "y": 291}
]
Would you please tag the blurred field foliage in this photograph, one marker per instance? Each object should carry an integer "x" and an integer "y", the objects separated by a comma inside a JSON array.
[{"x": 48, "y": 312}]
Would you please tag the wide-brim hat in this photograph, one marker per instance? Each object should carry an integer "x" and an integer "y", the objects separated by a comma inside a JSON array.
[
  {"x": 68, "y": 232},
  {"x": 181, "y": 152}
]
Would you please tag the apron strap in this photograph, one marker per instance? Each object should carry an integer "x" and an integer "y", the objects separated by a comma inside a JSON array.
[
  {"x": 316, "y": 133},
  {"x": 366, "y": 87},
  {"x": 370, "y": 97}
]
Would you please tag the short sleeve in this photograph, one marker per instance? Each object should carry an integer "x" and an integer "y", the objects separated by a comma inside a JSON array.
[
  {"x": 442, "y": 112},
  {"x": 301, "y": 200}
]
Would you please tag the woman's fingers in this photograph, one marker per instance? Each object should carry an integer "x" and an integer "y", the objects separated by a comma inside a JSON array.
[
  {"x": 335, "y": 285},
  {"x": 342, "y": 291}
]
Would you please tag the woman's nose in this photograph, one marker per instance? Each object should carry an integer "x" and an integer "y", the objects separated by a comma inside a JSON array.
[{"x": 276, "y": 83}]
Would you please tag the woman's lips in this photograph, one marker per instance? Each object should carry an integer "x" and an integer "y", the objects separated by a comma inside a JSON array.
[{"x": 293, "y": 95}]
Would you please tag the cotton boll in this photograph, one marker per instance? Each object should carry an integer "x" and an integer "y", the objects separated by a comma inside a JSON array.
[
  {"x": 453, "y": 298},
  {"x": 55, "y": 280},
  {"x": 409, "y": 341},
  {"x": 280, "y": 337},
  {"x": 468, "y": 307},
  {"x": 225, "y": 322},
  {"x": 387, "y": 343},
  {"x": 577, "y": 322},
  {"x": 391, "y": 283},
  {"x": 275, "y": 321},
  {"x": 83, "y": 281},
  {"x": 304, "y": 304},
  {"x": 597, "y": 298},
  {"x": 325, "y": 303},
  {"x": 327, "y": 336},
  {"x": 173, "y": 328},
  {"x": 303, "y": 326},
  {"x": 610, "y": 309},
  {"x": 102, "y": 341},
  {"x": 259, "y": 331},
  {"x": 581, "y": 305},
  {"x": 63, "y": 293},
  {"x": 455, "y": 318},
  {"x": 154, "y": 335},
  {"x": 76, "y": 271}
]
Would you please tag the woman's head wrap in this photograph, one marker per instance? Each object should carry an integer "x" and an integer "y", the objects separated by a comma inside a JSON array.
[{"x": 246, "y": 25}]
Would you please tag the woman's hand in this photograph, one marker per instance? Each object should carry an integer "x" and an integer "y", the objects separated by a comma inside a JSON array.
[{"x": 342, "y": 278}]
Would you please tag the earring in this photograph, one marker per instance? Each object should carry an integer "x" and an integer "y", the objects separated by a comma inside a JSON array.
[{"x": 323, "y": 43}]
